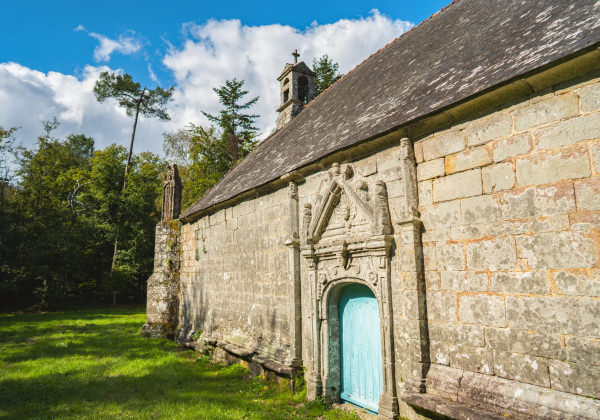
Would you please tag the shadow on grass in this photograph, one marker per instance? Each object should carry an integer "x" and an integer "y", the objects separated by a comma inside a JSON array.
[{"x": 94, "y": 364}]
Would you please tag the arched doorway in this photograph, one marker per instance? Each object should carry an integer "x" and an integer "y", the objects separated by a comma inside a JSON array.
[{"x": 360, "y": 347}]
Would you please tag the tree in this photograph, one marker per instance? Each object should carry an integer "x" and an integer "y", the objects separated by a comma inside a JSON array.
[
  {"x": 204, "y": 156},
  {"x": 135, "y": 100},
  {"x": 326, "y": 73},
  {"x": 238, "y": 129},
  {"x": 6, "y": 149}
]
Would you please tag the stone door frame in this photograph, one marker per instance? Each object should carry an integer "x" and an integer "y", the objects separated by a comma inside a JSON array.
[{"x": 331, "y": 264}]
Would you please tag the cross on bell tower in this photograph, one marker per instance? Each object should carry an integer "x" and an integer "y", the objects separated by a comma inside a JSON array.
[{"x": 297, "y": 88}]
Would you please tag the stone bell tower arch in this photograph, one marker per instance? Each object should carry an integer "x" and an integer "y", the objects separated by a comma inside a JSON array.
[{"x": 297, "y": 88}]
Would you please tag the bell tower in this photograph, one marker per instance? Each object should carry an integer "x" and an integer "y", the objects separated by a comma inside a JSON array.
[{"x": 297, "y": 88}]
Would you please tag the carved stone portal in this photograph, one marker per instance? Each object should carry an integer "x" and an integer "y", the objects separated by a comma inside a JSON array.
[{"x": 346, "y": 238}]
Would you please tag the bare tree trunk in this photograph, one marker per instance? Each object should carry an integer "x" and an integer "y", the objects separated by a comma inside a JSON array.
[
  {"x": 234, "y": 148},
  {"x": 120, "y": 219}
]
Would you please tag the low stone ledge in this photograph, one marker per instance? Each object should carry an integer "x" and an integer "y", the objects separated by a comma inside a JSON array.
[
  {"x": 276, "y": 367},
  {"x": 238, "y": 351},
  {"x": 452, "y": 409}
]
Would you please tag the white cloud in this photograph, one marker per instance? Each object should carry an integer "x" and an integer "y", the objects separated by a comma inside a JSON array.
[
  {"x": 221, "y": 50},
  {"x": 213, "y": 52},
  {"x": 125, "y": 44},
  {"x": 28, "y": 96}
]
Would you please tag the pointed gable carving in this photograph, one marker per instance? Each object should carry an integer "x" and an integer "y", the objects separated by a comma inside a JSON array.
[{"x": 348, "y": 206}]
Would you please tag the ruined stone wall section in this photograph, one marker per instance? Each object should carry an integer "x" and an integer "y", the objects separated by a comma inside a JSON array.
[
  {"x": 511, "y": 209},
  {"x": 235, "y": 286}
]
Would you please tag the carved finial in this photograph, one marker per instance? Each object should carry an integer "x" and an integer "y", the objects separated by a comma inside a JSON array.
[
  {"x": 306, "y": 219},
  {"x": 293, "y": 190},
  {"x": 406, "y": 149},
  {"x": 335, "y": 169},
  {"x": 382, "y": 221},
  {"x": 296, "y": 55},
  {"x": 172, "y": 187}
]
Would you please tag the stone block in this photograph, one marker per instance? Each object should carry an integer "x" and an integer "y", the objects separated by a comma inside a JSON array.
[
  {"x": 516, "y": 227},
  {"x": 425, "y": 190},
  {"x": 595, "y": 151},
  {"x": 585, "y": 221},
  {"x": 429, "y": 257},
  {"x": 550, "y": 224},
  {"x": 482, "y": 310},
  {"x": 441, "y": 215},
  {"x": 525, "y": 342},
  {"x": 575, "y": 378},
  {"x": 546, "y": 111},
  {"x": 487, "y": 129},
  {"x": 443, "y": 144},
  {"x": 527, "y": 282},
  {"x": 495, "y": 254},
  {"x": 571, "y": 249},
  {"x": 441, "y": 306},
  {"x": 547, "y": 168},
  {"x": 517, "y": 145},
  {"x": 583, "y": 350},
  {"x": 457, "y": 333},
  {"x": 462, "y": 233},
  {"x": 440, "y": 352},
  {"x": 560, "y": 314},
  {"x": 468, "y": 159},
  {"x": 578, "y": 282},
  {"x": 499, "y": 177},
  {"x": 565, "y": 133},
  {"x": 468, "y": 357},
  {"x": 430, "y": 169},
  {"x": 480, "y": 209},
  {"x": 541, "y": 201},
  {"x": 461, "y": 281},
  {"x": 459, "y": 185},
  {"x": 589, "y": 97},
  {"x": 418, "y": 150},
  {"x": 432, "y": 280},
  {"x": 523, "y": 368},
  {"x": 450, "y": 256},
  {"x": 587, "y": 193}
]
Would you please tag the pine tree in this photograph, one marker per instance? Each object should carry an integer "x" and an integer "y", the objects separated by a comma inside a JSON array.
[
  {"x": 326, "y": 73},
  {"x": 237, "y": 128}
]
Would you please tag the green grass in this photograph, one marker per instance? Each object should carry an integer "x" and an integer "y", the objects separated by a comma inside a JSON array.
[{"x": 94, "y": 364}]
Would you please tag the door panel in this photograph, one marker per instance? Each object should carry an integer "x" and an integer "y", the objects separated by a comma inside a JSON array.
[{"x": 360, "y": 347}]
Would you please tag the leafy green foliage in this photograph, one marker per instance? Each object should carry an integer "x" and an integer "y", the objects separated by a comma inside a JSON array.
[
  {"x": 131, "y": 96},
  {"x": 62, "y": 215},
  {"x": 326, "y": 73},
  {"x": 237, "y": 128},
  {"x": 135, "y": 100},
  {"x": 94, "y": 364},
  {"x": 205, "y": 155}
]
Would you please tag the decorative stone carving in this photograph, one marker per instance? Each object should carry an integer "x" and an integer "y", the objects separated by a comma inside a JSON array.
[
  {"x": 407, "y": 172},
  {"x": 350, "y": 235},
  {"x": 172, "y": 188}
]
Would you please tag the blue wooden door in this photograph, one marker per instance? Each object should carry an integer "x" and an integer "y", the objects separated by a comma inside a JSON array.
[{"x": 360, "y": 347}]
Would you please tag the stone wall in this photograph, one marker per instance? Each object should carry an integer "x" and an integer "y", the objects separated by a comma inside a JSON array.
[
  {"x": 511, "y": 209},
  {"x": 235, "y": 286},
  {"x": 494, "y": 284},
  {"x": 162, "y": 301}
]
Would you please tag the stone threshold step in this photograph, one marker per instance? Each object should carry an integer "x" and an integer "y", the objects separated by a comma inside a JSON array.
[{"x": 453, "y": 409}]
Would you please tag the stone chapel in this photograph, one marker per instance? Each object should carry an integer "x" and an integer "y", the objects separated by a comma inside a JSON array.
[{"x": 421, "y": 238}]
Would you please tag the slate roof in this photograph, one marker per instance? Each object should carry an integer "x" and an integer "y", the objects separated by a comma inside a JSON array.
[{"x": 468, "y": 47}]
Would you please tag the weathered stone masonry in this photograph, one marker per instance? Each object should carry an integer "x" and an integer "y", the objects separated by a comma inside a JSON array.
[{"x": 477, "y": 229}]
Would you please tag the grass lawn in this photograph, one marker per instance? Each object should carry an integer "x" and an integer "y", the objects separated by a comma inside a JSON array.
[{"x": 94, "y": 364}]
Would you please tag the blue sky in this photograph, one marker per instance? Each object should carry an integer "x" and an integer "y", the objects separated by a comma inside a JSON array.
[{"x": 57, "y": 48}]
